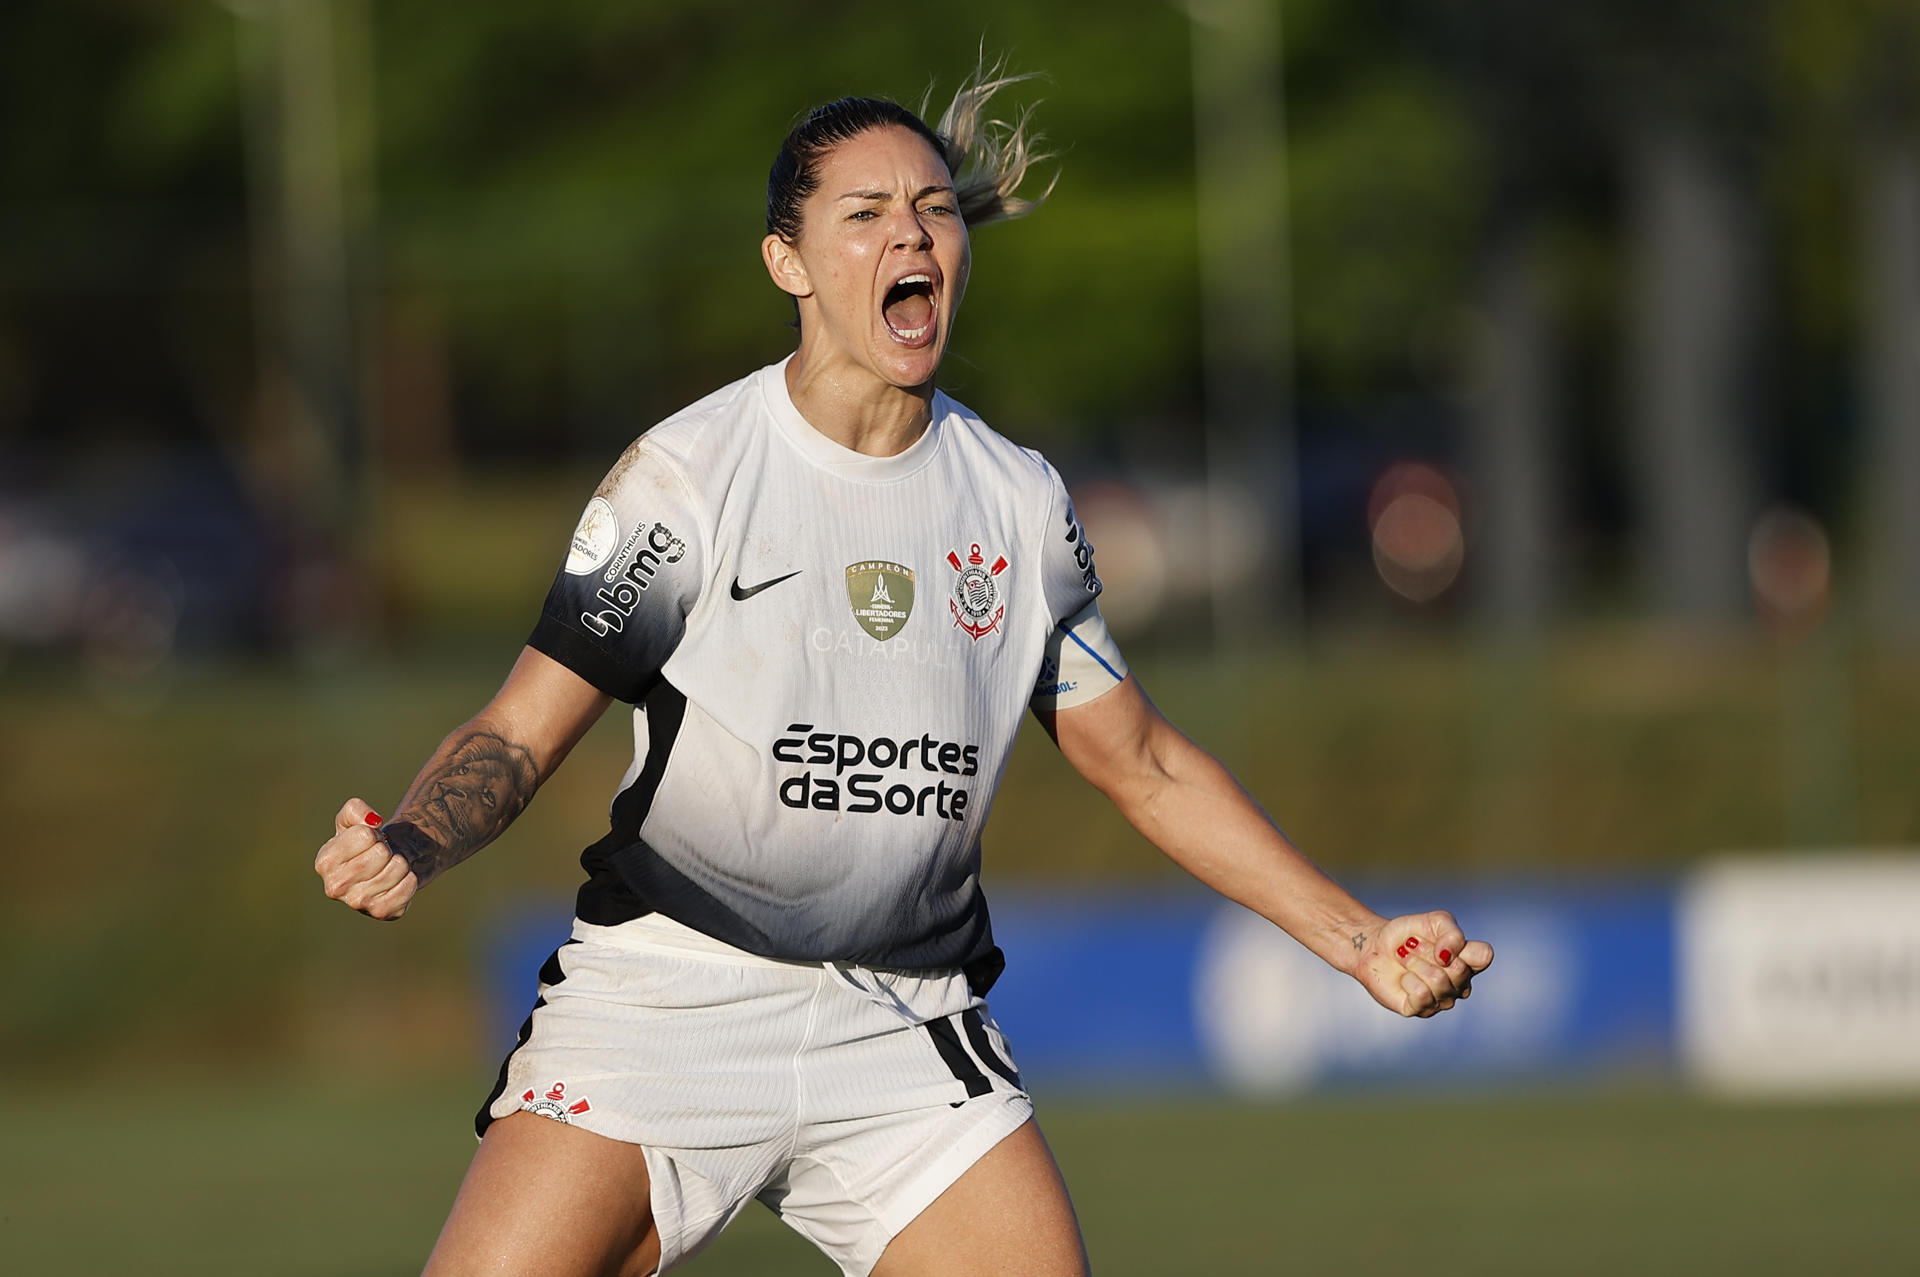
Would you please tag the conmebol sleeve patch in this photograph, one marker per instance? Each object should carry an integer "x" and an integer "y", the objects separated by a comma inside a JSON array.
[{"x": 594, "y": 539}]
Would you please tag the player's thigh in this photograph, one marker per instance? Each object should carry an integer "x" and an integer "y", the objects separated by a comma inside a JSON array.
[
  {"x": 545, "y": 1197},
  {"x": 1008, "y": 1216}
]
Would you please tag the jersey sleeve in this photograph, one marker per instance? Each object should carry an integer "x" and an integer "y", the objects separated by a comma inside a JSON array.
[
  {"x": 619, "y": 603},
  {"x": 1066, "y": 558},
  {"x": 1081, "y": 660}
]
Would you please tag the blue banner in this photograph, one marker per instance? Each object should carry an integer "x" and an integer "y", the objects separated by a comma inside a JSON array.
[
  {"x": 1125, "y": 990},
  {"x": 1114, "y": 991}
]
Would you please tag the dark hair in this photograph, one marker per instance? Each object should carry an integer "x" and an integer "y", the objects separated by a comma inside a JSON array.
[
  {"x": 796, "y": 170},
  {"x": 987, "y": 158}
]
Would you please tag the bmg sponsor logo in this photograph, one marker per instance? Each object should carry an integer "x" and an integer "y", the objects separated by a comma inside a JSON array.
[
  {"x": 868, "y": 791},
  {"x": 1082, "y": 552},
  {"x": 625, "y": 585}
]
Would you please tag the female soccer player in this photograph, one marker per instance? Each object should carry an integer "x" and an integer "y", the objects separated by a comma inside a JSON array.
[{"x": 831, "y": 592}]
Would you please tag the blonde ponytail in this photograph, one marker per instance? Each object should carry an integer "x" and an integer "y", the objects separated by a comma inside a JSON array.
[{"x": 990, "y": 158}]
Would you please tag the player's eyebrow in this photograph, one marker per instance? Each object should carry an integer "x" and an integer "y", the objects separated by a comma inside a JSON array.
[{"x": 936, "y": 189}]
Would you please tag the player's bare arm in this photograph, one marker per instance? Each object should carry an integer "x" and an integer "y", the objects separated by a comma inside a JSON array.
[
  {"x": 1183, "y": 801},
  {"x": 463, "y": 799},
  {"x": 483, "y": 776}
]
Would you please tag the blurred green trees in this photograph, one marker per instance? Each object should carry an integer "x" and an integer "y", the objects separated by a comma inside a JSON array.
[
  {"x": 547, "y": 219},
  {"x": 573, "y": 192}
]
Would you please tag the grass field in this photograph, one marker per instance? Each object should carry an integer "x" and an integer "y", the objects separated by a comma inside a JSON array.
[{"x": 211, "y": 1177}]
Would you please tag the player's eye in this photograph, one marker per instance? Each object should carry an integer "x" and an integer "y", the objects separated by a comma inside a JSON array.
[{"x": 862, "y": 215}]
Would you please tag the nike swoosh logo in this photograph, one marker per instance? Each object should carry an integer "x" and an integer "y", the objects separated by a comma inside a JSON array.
[{"x": 742, "y": 593}]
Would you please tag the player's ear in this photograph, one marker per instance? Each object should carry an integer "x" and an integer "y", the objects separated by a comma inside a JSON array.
[{"x": 789, "y": 273}]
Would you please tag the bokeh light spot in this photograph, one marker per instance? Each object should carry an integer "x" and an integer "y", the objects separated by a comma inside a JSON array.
[
  {"x": 1791, "y": 568},
  {"x": 1418, "y": 543}
]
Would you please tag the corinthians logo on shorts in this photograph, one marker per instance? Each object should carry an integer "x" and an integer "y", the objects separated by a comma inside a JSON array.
[
  {"x": 881, "y": 595},
  {"x": 976, "y": 604},
  {"x": 554, "y": 1104}
]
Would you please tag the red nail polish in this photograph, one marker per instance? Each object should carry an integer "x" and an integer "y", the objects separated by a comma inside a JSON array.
[
  {"x": 1413, "y": 942},
  {"x": 1402, "y": 951},
  {"x": 1445, "y": 957},
  {"x": 373, "y": 818}
]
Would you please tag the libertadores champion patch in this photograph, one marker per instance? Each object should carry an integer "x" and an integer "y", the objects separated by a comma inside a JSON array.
[
  {"x": 976, "y": 596},
  {"x": 594, "y": 538},
  {"x": 881, "y": 595},
  {"x": 554, "y": 1104}
]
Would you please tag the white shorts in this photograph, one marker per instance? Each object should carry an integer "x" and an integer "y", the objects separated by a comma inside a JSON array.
[{"x": 843, "y": 1097}]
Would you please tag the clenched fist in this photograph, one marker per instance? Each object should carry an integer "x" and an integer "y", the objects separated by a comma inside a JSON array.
[
  {"x": 1420, "y": 964},
  {"x": 361, "y": 871}
]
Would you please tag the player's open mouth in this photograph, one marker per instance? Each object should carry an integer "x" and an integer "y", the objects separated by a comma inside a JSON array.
[{"x": 908, "y": 310}]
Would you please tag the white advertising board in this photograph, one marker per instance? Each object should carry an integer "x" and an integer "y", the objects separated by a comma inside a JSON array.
[{"x": 1801, "y": 976}]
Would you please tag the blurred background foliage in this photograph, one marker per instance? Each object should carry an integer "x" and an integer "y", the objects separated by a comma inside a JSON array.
[
  {"x": 395, "y": 245},
  {"x": 569, "y": 195}
]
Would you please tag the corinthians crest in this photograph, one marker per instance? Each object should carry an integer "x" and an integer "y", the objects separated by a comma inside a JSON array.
[
  {"x": 976, "y": 604},
  {"x": 881, "y": 595},
  {"x": 554, "y": 1104}
]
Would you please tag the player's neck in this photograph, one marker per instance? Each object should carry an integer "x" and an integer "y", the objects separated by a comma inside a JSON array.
[{"x": 854, "y": 408}]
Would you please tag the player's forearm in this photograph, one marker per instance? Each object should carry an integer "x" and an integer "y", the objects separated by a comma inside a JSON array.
[
  {"x": 465, "y": 797},
  {"x": 1196, "y": 813}
]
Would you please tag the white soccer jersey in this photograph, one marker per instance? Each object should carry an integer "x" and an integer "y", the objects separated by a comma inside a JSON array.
[{"x": 831, "y": 654}]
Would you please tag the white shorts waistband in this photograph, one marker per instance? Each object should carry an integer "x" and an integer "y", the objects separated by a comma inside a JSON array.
[{"x": 657, "y": 933}]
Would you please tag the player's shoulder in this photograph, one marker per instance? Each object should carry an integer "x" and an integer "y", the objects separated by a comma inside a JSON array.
[
  {"x": 1014, "y": 463},
  {"x": 692, "y": 434},
  {"x": 692, "y": 444}
]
